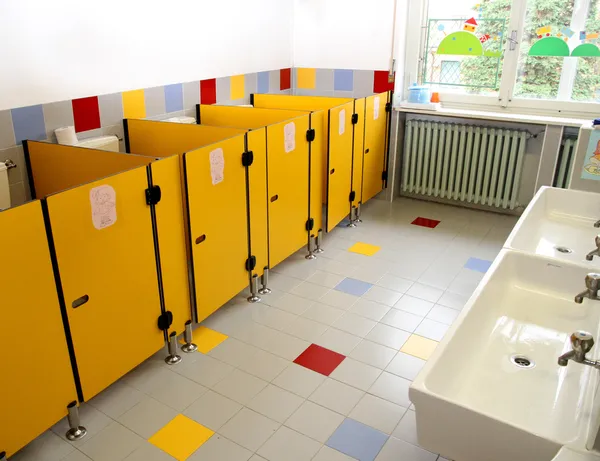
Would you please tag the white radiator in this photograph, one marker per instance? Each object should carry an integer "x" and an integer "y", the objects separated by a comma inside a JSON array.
[
  {"x": 465, "y": 163},
  {"x": 565, "y": 162}
]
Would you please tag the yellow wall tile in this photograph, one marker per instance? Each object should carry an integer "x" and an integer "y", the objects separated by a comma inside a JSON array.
[
  {"x": 307, "y": 78},
  {"x": 134, "y": 105},
  {"x": 237, "y": 87}
]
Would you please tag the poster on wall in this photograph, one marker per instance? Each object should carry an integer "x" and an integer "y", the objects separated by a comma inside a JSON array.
[{"x": 591, "y": 162}]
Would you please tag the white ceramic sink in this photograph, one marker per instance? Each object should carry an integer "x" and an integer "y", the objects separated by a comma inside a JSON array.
[
  {"x": 473, "y": 403},
  {"x": 559, "y": 218}
]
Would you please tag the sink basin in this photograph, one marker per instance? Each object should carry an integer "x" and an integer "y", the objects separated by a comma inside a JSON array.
[
  {"x": 559, "y": 219},
  {"x": 474, "y": 402}
]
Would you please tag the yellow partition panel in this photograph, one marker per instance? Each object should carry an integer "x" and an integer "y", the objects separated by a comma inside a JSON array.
[
  {"x": 172, "y": 240},
  {"x": 288, "y": 188},
  {"x": 35, "y": 394},
  {"x": 339, "y": 164},
  {"x": 55, "y": 167},
  {"x": 216, "y": 190},
  {"x": 104, "y": 244},
  {"x": 375, "y": 143},
  {"x": 318, "y": 168},
  {"x": 163, "y": 139},
  {"x": 242, "y": 117},
  {"x": 281, "y": 101},
  {"x": 258, "y": 199},
  {"x": 358, "y": 154}
]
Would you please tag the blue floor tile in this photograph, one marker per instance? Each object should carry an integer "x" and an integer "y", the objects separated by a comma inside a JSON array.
[
  {"x": 353, "y": 287},
  {"x": 479, "y": 265},
  {"x": 357, "y": 440}
]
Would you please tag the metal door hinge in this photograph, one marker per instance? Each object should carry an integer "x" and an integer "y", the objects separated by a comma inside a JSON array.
[
  {"x": 165, "y": 320},
  {"x": 153, "y": 195},
  {"x": 388, "y": 106},
  {"x": 384, "y": 176},
  {"x": 310, "y": 223},
  {"x": 352, "y": 196},
  {"x": 354, "y": 119},
  {"x": 247, "y": 158},
  {"x": 250, "y": 263},
  {"x": 310, "y": 135}
]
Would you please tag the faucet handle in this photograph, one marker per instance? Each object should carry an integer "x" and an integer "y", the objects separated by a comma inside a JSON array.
[
  {"x": 592, "y": 281},
  {"x": 597, "y": 241},
  {"x": 582, "y": 341}
]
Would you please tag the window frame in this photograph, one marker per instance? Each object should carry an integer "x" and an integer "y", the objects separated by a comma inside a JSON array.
[{"x": 505, "y": 99}]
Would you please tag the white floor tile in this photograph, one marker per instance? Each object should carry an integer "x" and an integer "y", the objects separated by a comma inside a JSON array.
[
  {"x": 283, "y": 282},
  {"x": 212, "y": 410},
  {"x": 339, "y": 268},
  {"x": 240, "y": 386},
  {"x": 314, "y": 421},
  {"x": 233, "y": 352},
  {"x": 405, "y": 366},
  {"x": 338, "y": 341},
  {"x": 338, "y": 299},
  {"x": 403, "y": 320},
  {"x": 392, "y": 282},
  {"x": 426, "y": 292},
  {"x": 264, "y": 365},
  {"x": 94, "y": 419},
  {"x": 369, "y": 309},
  {"x": 378, "y": 413},
  {"x": 373, "y": 354},
  {"x": 220, "y": 448},
  {"x": 204, "y": 369},
  {"x": 249, "y": 429},
  {"x": 257, "y": 458},
  {"x": 306, "y": 329},
  {"x": 326, "y": 279},
  {"x": 113, "y": 443},
  {"x": 285, "y": 346},
  {"x": 271, "y": 316},
  {"x": 148, "y": 452},
  {"x": 78, "y": 456},
  {"x": 323, "y": 313},
  {"x": 354, "y": 324},
  {"x": 292, "y": 303},
  {"x": 388, "y": 336},
  {"x": 453, "y": 300},
  {"x": 414, "y": 305},
  {"x": 432, "y": 330},
  {"x": 336, "y": 396},
  {"x": 407, "y": 428},
  {"x": 177, "y": 391},
  {"x": 147, "y": 417},
  {"x": 117, "y": 399},
  {"x": 329, "y": 454},
  {"x": 275, "y": 403},
  {"x": 382, "y": 295},
  {"x": 46, "y": 447},
  {"x": 369, "y": 274},
  {"x": 443, "y": 314},
  {"x": 289, "y": 445},
  {"x": 310, "y": 291},
  {"x": 356, "y": 374},
  {"x": 396, "y": 449},
  {"x": 299, "y": 380},
  {"x": 393, "y": 388}
]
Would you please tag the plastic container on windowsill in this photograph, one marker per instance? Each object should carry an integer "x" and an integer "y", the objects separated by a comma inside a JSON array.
[
  {"x": 419, "y": 94},
  {"x": 596, "y": 124}
]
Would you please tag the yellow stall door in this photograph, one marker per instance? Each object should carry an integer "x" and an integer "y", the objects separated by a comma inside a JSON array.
[
  {"x": 358, "y": 154},
  {"x": 339, "y": 180},
  {"x": 318, "y": 169},
  {"x": 166, "y": 174},
  {"x": 375, "y": 144},
  {"x": 216, "y": 186},
  {"x": 104, "y": 244},
  {"x": 287, "y": 149},
  {"x": 37, "y": 381},
  {"x": 257, "y": 186}
]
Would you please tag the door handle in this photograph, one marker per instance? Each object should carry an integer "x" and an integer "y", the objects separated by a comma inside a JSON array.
[
  {"x": 201, "y": 239},
  {"x": 274, "y": 198},
  {"x": 332, "y": 171},
  {"x": 80, "y": 301},
  {"x": 366, "y": 151}
]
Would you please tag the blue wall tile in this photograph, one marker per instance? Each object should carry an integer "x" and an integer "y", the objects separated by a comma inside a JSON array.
[
  {"x": 174, "y": 97},
  {"x": 263, "y": 82},
  {"x": 343, "y": 80},
  {"x": 29, "y": 123}
]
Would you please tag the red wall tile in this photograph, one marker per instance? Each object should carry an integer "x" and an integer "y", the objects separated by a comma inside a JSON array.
[
  {"x": 86, "y": 113},
  {"x": 285, "y": 79},
  {"x": 208, "y": 91},
  {"x": 380, "y": 82}
]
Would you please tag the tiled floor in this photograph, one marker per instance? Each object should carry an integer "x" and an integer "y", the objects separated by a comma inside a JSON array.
[{"x": 319, "y": 370}]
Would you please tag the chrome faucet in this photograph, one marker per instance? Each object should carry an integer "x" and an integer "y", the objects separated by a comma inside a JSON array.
[
  {"x": 592, "y": 282},
  {"x": 596, "y": 252},
  {"x": 597, "y": 223},
  {"x": 581, "y": 342}
]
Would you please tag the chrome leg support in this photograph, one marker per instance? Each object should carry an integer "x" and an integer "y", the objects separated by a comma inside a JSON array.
[
  {"x": 352, "y": 222},
  {"x": 189, "y": 346},
  {"x": 76, "y": 430},
  {"x": 2, "y": 456},
  {"x": 319, "y": 241},
  {"x": 311, "y": 253},
  {"x": 358, "y": 213},
  {"x": 253, "y": 298},
  {"x": 264, "y": 281},
  {"x": 172, "y": 358}
]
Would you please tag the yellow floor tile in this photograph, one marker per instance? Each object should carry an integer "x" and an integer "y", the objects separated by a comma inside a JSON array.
[
  {"x": 181, "y": 437},
  {"x": 364, "y": 249},
  {"x": 419, "y": 347},
  {"x": 206, "y": 339}
]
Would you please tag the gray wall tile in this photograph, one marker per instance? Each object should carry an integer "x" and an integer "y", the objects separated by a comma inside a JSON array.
[
  {"x": 274, "y": 81},
  {"x": 7, "y": 132},
  {"x": 223, "y": 90},
  {"x": 289, "y": 92},
  {"x": 324, "y": 79},
  {"x": 190, "y": 112},
  {"x": 155, "y": 101},
  {"x": 17, "y": 194},
  {"x": 250, "y": 84},
  {"x": 306, "y": 92},
  {"x": 191, "y": 95},
  {"x": 111, "y": 109},
  {"x": 343, "y": 94},
  {"x": 363, "y": 83},
  {"x": 56, "y": 115},
  {"x": 15, "y": 153}
]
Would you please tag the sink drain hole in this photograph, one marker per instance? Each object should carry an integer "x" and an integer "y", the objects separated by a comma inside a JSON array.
[
  {"x": 522, "y": 362},
  {"x": 563, "y": 249}
]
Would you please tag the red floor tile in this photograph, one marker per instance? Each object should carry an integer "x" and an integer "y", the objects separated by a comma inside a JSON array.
[
  {"x": 425, "y": 222},
  {"x": 319, "y": 359}
]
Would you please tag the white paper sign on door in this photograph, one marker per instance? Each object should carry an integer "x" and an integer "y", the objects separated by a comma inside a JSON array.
[
  {"x": 289, "y": 137},
  {"x": 104, "y": 206},
  {"x": 342, "y": 121},
  {"x": 376, "y": 108},
  {"x": 217, "y": 166}
]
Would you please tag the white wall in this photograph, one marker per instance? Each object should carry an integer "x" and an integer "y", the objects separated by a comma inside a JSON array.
[
  {"x": 345, "y": 34},
  {"x": 64, "y": 49}
]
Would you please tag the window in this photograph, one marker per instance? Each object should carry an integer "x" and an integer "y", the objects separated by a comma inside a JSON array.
[{"x": 539, "y": 55}]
